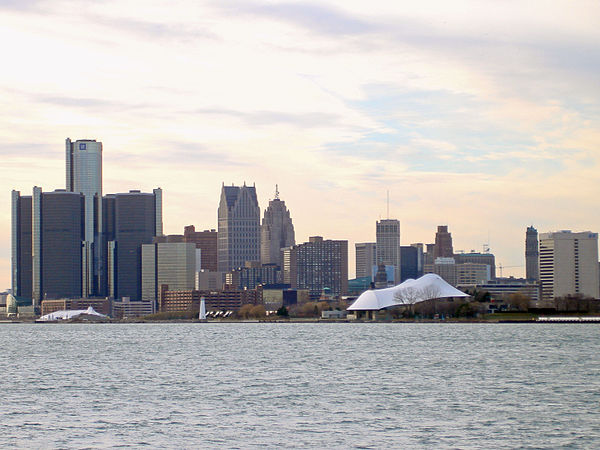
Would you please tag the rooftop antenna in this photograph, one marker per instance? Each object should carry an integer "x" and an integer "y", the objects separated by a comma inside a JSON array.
[
  {"x": 388, "y": 204},
  {"x": 276, "y": 192}
]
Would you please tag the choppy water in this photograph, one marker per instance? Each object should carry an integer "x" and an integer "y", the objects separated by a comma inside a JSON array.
[{"x": 300, "y": 385}]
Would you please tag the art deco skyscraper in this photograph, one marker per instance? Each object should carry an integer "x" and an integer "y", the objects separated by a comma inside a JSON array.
[
  {"x": 276, "y": 232},
  {"x": 443, "y": 243},
  {"x": 532, "y": 253},
  {"x": 238, "y": 237},
  {"x": 388, "y": 245},
  {"x": 84, "y": 175}
]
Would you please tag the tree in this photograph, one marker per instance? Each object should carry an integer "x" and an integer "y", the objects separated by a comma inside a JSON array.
[
  {"x": 258, "y": 312},
  {"x": 519, "y": 301},
  {"x": 283, "y": 312}
]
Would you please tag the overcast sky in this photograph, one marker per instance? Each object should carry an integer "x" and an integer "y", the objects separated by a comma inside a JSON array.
[{"x": 480, "y": 115}]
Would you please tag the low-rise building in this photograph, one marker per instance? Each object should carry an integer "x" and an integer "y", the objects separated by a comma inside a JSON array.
[{"x": 101, "y": 305}]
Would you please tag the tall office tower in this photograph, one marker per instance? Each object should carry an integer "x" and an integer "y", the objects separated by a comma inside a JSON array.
[
  {"x": 443, "y": 243},
  {"x": 319, "y": 265},
  {"x": 388, "y": 245},
  {"x": 131, "y": 220},
  {"x": 276, "y": 232},
  {"x": 366, "y": 259},
  {"x": 409, "y": 258},
  {"x": 206, "y": 241},
  {"x": 21, "y": 246},
  {"x": 238, "y": 240},
  {"x": 532, "y": 254},
  {"x": 478, "y": 258},
  {"x": 167, "y": 263},
  {"x": 428, "y": 255},
  {"x": 569, "y": 264},
  {"x": 420, "y": 258},
  {"x": 58, "y": 266},
  {"x": 84, "y": 175}
]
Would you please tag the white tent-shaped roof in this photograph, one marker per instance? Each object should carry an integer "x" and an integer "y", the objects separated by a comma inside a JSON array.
[
  {"x": 68, "y": 314},
  {"x": 427, "y": 287}
]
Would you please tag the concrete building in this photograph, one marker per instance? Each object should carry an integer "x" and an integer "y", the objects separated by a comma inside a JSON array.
[
  {"x": 501, "y": 288},
  {"x": 319, "y": 265},
  {"x": 569, "y": 264},
  {"x": 276, "y": 232},
  {"x": 238, "y": 238},
  {"x": 388, "y": 245},
  {"x": 206, "y": 241},
  {"x": 532, "y": 254},
  {"x": 443, "y": 243},
  {"x": 472, "y": 257},
  {"x": 366, "y": 259},
  {"x": 472, "y": 273},
  {"x": 254, "y": 274},
  {"x": 226, "y": 299},
  {"x": 167, "y": 263},
  {"x": 84, "y": 175},
  {"x": 210, "y": 281},
  {"x": 130, "y": 220}
]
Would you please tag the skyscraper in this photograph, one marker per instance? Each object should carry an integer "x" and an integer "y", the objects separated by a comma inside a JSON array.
[
  {"x": 21, "y": 246},
  {"x": 276, "y": 232},
  {"x": 569, "y": 264},
  {"x": 131, "y": 220},
  {"x": 84, "y": 175},
  {"x": 443, "y": 243},
  {"x": 366, "y": 259},
  {"x": 388, "y": 245},
  {"x": 206, "y": 241},
  {"x": 238, "y": 238},
  {"x": 532, "y": 253}
]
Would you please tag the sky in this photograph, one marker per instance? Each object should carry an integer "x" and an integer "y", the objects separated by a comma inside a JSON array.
[{"x": 480, "y": 115}]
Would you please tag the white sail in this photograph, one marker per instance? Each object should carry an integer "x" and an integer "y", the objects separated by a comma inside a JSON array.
[{"x": 202, "y": 315}]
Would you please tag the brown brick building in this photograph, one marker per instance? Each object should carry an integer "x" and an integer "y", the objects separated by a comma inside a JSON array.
[
  {"x": 101, "y": 305},
  {"x": 228, "y": 299},
  {"x": 206, "y": 241}
]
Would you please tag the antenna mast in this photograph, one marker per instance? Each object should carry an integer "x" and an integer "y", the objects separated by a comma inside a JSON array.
[{"x": 276, "y": 192}]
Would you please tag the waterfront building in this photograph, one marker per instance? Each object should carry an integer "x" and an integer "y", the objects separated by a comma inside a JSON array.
[
  {"x": 238, "y": 238},
  {"x": 502, "y": 288},
  {"x": 227, "y": 299},
  {"x": 167, "y": 263},
  {"x": 58, "y": 266},
  {"x": 388, "y": 245},
  {"x": 443, "y": 243},
  {"x": 131, "y": 219},
  {"x": 359, "y": 285},
  {"x": 274, "y": 297},
  {"x": 276, "y": 232},
  {"x": 84, "y": 175},
  {"x": 532, "y": 254},
  {"x": 568, "y": 264},
  {"x": 319, "y": 265},
  {"x": 101, "y": 305},
  {"x": 206, "y": 241},
  {"x": 21, "y": 245},
  {"x": 207, "y": 280},
  {"x": 366, "y": 259},
  {"x": 472, "y": 273}
]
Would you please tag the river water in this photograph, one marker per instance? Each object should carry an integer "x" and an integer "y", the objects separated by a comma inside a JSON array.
[{"x": 300, "y": 385}]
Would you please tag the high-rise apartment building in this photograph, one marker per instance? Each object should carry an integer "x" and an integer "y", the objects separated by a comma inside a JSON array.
[
  {"x": 238, "y": 237},
  {"x": 319, "y": 265},
  {"x": 388, "y": 245},
  {"x": 366, "y": 259},
  {"x": 276, "y": 232},
  {"x": 443, "y": 243},
  {"x": 206, "y": 241},
  {"x": 532, "y": 254},
  {"x": 84, "y": 175},
  {"x": 131, "y": 220},
  {"x": 569, "y": 264}
]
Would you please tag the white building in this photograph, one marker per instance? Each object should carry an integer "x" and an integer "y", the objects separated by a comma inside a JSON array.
[{"x": 569, "y": 264}]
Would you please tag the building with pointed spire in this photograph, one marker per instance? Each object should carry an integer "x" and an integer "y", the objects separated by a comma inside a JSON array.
[
  {"x": 238, "y": 238},
  {"x": 276, "y": 231}
]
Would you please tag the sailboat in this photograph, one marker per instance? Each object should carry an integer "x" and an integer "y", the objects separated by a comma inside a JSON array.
[{"x": 202, "y": 314}]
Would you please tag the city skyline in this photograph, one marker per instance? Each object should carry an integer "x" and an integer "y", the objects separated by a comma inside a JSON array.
[{"x": 476, "y": 117}]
